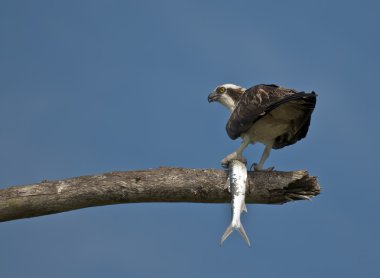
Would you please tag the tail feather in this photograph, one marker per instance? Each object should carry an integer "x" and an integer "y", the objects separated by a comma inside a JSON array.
[{"x": 229, "y": 231}]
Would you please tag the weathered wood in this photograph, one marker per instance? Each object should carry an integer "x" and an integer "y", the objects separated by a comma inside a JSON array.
[{"x": 153, "y": 185}]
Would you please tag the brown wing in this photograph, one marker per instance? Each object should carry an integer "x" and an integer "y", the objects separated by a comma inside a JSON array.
[
  {"x": 259, "y": 100},
  {"x": 299, "y": 126}
]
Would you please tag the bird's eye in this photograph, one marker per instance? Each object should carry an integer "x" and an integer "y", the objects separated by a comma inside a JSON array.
[{"x": 222, "y": 90}]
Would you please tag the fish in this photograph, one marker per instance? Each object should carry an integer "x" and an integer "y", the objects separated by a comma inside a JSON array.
[{"x": 237, "y": 185}]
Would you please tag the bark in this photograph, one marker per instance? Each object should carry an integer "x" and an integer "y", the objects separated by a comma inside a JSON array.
[{"x": 153, "y": 185}]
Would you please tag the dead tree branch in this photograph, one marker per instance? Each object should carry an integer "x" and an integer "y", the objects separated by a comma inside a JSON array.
[{"x": 153, "y": 185}]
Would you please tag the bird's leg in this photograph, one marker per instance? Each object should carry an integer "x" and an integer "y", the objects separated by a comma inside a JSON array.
[
  {"x": 238, "y": 154},
  {"x": 259, "y": 166}
]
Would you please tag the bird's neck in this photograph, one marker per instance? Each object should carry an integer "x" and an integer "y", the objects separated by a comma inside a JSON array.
[
  {"x": 229, "y": 103},
  {"x": 231, "y": 109}
]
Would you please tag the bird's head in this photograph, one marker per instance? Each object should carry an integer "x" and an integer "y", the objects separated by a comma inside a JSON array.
[{"x": 227, "y": 94}]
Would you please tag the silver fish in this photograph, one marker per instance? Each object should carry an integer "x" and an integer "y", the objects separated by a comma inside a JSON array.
[{"x": 237, "y": 184}]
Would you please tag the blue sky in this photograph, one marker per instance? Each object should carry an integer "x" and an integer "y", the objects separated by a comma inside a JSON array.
[{"x": 88, "y": 87}]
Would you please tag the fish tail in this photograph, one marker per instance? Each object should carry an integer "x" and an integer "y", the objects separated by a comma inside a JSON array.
[
  {"x": 244, "y": 234},
  {"x": 229, "y": 231},
  {"x": 226, "y": 234}
]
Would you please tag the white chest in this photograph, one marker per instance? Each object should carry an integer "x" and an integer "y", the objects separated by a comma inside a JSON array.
[{"x": 278, "y": 122}]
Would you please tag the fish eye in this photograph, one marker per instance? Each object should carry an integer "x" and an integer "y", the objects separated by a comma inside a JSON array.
[{"x": 222, "y": 90}]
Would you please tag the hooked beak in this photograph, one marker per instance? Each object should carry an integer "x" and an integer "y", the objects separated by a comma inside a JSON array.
[{"x": 213, "y": 97}]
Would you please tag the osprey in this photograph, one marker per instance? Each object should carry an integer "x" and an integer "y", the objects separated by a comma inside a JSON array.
[{"x": 272, "y": 115}]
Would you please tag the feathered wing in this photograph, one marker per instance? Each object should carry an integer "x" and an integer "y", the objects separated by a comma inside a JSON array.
[
  {"x": 300, "y": 125},
  {"x": 258, "y": 101}
]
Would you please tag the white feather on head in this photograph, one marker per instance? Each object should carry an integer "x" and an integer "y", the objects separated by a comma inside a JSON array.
[
  {"x": 231, "y": 86},
  {"x": 225, "y": 99}
]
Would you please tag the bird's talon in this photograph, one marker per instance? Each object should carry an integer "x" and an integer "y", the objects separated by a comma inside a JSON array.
[
  {"x": 256, "y": 167},
  {"x": 233, "y": 156},
  {"x": 224, "y": 163}
]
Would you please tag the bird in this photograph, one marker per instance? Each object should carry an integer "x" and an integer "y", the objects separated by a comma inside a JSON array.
[{"x": 266, "y": 113}]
